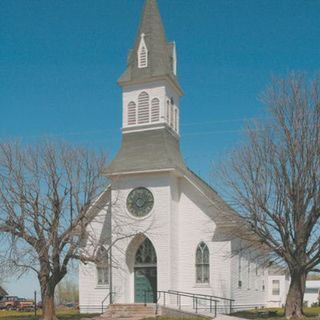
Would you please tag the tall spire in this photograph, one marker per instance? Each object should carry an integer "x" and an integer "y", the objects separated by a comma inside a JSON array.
[{"x": 160, "y": 53}]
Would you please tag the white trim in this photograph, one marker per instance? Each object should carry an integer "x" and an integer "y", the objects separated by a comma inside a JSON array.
[
  {"x": 175, "y": 86},
  {"x": 174, "y": 57},
  {"x": 140, "y": 172},
  {"x": 150, "y": 126},
  {"x": 199, "y": 189}
]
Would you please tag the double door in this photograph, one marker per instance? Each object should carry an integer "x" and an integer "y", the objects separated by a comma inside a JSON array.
[{"x": 145, "y": 284}]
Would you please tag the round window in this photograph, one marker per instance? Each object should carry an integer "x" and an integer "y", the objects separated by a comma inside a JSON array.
[{"x": 140, "y": 202}]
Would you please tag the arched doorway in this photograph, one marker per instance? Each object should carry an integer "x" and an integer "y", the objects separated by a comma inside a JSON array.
[{"x": 145, "y": 273}]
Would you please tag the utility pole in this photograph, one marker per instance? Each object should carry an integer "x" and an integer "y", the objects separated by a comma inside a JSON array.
[
  {"x": 110, "y": 252},
  {"x": 35, "y": 303}
]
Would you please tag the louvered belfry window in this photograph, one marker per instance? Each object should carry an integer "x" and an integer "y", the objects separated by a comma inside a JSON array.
[
  {"x": 202, "y": 264},
  {"x": 142, "y": 53},
  {"x": 143, "y": 59},
  {"x": 155, "y": 110},
  {"x": 132, "y": 113},
  {"x": 143, "y": 108}
]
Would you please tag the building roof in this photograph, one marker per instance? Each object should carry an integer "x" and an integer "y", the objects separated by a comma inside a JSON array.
[
  {"x": 159, "y": 150},
  {"x": 227, "y": 219},
  {"x": 313, "y": 284},
  {"x": 3, "y": 292},
  {"x": 147, "y": 151},
  {"x": 160, "y": 52}
]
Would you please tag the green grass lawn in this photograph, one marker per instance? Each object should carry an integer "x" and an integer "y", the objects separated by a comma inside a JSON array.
[
  {"x": 253, "y": 314},
  {"x": 70, "y": 314},
  {"x": 64, "y": 314}
]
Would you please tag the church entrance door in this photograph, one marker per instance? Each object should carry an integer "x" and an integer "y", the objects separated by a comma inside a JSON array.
[
  {"x": 145, "y": 273},
  {"x": 145, "y": 283}
]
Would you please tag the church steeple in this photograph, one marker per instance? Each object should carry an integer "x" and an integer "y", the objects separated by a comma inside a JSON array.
[
  {"x": 151, "y": 91},
  {"x": 151, "y": 99},
  {"x": 151, "y": 48}
]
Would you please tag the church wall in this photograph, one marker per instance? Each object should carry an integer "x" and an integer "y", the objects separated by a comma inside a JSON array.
[
  {"x": 196, "y": 225},
  {"x": 253, "y": 277},
  {"x": 90, "y": 293},
  {"x": 174, "y": 232},
  {"x": 156, "y": 226}
]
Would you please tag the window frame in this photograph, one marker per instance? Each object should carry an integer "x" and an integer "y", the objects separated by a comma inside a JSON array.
[
  {"x": 202, "y": 267},
  {"x": 275, "y": 291},
  {"x": 102, "y": 268},
  {"x": 240, "y": 270}
]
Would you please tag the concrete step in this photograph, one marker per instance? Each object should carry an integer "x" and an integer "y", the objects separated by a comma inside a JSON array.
[{"x": 128, "y": 312}]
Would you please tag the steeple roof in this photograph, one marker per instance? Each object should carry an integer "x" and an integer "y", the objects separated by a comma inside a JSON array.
[{"x": 161, "y": 54}]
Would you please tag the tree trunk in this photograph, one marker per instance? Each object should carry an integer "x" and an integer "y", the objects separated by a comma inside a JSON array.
[
  {"x": 294, "y": 303},
  {"x": 48, "y": 306}
]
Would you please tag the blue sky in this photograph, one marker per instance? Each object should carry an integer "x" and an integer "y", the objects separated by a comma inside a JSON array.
[{"x": 59, "y": 62}]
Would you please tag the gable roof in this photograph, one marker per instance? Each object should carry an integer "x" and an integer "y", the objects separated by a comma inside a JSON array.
[{"x": 227, "y": 219}]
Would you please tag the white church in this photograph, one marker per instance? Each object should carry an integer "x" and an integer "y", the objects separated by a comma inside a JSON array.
[{"x": 168, "y": 230}]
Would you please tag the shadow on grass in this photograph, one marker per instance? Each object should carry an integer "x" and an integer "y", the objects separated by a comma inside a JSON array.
[
  {"x": 310, "y": 313},
  {"x": 60, "y": 316}
]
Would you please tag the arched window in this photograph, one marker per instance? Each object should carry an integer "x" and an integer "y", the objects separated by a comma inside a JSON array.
[
  {"x": 132, "y": 113},
  {"x": 155, "y": 110},
  {"x": 146, "y": 253},
  {"x": 202, "y": 264},
  {"x": 143, "y": 108},
  {"x": 102, "y": 267}
]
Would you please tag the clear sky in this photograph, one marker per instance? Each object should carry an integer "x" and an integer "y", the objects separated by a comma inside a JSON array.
[{"x": 59, "y": 62}]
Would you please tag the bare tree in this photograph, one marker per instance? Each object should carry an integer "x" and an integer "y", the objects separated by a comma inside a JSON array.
[
  {"x": 67, "y": 291},
  {"x": 46, "y": 195},
  {"x": 274, "y": 180}
]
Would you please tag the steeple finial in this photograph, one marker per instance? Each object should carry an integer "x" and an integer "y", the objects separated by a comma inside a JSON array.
[{"x": 151, "y": 46}]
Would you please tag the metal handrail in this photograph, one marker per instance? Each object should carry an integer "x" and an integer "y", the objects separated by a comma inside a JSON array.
[
  {"x": 204, "y": 295},
  {"x": 195, "y": 300},
  {"x": 207, "y": 295},
  {"x": 103, "y": 301}
]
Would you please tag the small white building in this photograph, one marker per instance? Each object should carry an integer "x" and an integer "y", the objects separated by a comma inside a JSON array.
[
  {"x": 312, "y": 292},
  {"x": 278, "y": 286},
  {"x": 279, "y": 282},
  {"x": 168, "y": 227}
]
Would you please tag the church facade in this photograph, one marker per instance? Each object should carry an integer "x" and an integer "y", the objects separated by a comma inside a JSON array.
[{"x": 166, "y": 227}]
